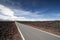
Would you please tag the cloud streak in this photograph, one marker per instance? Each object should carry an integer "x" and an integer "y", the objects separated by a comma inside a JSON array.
[
  {"x": 7, "y": 14},
  {"x": 6, "y": 11},
  {"x": 22, "y": 15}
]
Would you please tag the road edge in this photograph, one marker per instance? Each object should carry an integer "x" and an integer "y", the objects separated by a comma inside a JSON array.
[
  {"x": 44, "y": 31},
  {"x": 20, "y": 32}
]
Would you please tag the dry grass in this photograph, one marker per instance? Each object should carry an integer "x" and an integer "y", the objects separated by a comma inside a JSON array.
[{"x": 8, "y": 31}]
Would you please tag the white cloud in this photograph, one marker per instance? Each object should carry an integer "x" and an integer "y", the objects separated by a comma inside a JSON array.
[
  {"x": 31, "y": 14},
  {"x": 7, "y": 14},
  {"x": 22, "y": 12},
  {"x": 26, "y": 14},
  {"x": 6, "y": 11}
]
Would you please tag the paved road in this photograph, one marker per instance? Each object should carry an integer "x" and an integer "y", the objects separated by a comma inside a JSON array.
[{"x": 30, "y": 33}]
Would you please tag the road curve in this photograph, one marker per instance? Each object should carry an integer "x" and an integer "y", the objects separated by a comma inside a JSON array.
[{"x": 30, "y": 33}]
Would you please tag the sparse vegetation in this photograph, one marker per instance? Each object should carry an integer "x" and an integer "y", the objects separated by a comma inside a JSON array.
[
  {"x": 50, "y": 26},
  {"x": 8, "y": 31}
]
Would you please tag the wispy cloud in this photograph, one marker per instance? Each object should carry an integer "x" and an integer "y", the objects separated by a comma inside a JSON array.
[
  {"x": 6, "y": 11},
  {"x": 7, "y": 14},
  {"x": 23, "y": 15},
  {"x": 27, "y": 14}
]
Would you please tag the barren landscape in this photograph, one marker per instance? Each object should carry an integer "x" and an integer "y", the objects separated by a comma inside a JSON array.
[
  {"x": 49, "y": 26},
  {"x": 8, "y": 31}
]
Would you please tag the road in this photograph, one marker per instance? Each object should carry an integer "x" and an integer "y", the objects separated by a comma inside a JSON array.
[{"x": 30, "y": 33}]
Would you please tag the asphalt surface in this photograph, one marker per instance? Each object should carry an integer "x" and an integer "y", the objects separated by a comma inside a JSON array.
[{"x": 30, "y": 33}]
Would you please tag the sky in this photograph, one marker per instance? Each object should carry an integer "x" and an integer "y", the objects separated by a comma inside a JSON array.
[{"x": 30, "y": 10}]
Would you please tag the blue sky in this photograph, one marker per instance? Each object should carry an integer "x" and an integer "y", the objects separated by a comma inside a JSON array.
[{"x": 28, "y": 10}]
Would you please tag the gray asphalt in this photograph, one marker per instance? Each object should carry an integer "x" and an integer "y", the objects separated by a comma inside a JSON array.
[{"x": 30, "y": 33}]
